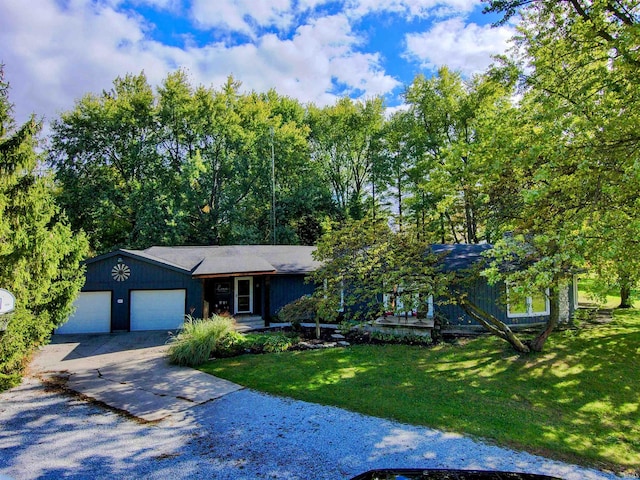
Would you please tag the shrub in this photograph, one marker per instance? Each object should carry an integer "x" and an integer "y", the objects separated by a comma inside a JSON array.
[
  {"x": 345, "y": 327},
  {"x": 200, "y": 339},
  {"x": 403, "y": 338},
  {"x": 300, "y": 310},
  {"x": 270, "y": 342},
  {"x": 278, "y": 343}
]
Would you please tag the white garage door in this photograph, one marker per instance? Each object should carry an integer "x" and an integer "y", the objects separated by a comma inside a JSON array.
[
  {"x": 92, "y": 314},
  {"x": 157, "y": 309}
]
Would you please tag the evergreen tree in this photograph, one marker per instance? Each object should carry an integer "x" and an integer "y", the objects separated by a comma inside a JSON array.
[{"x": 39, "y": 254}]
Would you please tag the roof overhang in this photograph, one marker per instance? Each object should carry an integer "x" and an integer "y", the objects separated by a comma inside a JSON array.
[
  {"x": 233, "y": 266},
  {"x": 139, "y": 255},
  {"x": 234, "y": 274}
]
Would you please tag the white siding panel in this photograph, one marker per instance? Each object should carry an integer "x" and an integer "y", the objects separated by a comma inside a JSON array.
[
  {"x": 157, "y": 309},
  {"x": 92, "y": 314}
]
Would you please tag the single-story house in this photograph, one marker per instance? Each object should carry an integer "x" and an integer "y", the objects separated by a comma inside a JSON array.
[{"x": 153, "y": 289}]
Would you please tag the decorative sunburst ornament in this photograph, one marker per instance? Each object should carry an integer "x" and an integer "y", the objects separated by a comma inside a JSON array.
[{"x": 120, "y": 272}]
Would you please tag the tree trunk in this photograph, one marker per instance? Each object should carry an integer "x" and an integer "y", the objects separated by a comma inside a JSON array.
[
  {"x": 470, "y": 219},
  {"x": 399, "y": 204},
  {"x": 495, "y": 326},
  {"x": 625, "y": 294},
  {"x": 554, "y": 313}
]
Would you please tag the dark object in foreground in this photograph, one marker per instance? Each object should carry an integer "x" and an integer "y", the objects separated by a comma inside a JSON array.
[{"x": 431, "y": 474}]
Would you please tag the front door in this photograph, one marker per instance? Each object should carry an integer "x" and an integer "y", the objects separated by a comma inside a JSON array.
[{"x": 243, "y": 294}]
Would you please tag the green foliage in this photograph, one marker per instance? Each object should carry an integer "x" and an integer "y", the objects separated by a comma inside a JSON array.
[
  {"x": 186, "y": 165},
  {"x": 562, "y": 174},
  {"x": 345, "y": 327},
  {"x": 201, "y": 339},
  {"x": 304, "y": 309},
  {"x": 343, "y": 145},
  {"x": 583, "y": 315},
  {"x": 39, "y": 254},
  {"x": 270, "y": 342},
  {"x": 444, "y": 131},
  {"x": 401, "y": 338},
  {"x": 278, "y": 343},
  {"x": 363, "y": 261}
]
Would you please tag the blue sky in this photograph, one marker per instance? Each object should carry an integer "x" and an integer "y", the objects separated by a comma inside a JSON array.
[{"x": 55, "y": 51}]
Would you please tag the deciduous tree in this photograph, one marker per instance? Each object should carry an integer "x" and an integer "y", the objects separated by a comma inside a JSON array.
[{"x": 579, "y": 120}]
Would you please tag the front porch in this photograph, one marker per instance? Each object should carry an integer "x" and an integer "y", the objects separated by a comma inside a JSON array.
[
  {"x": 247, "y": 323},
  {"x": 404, "y": 321},
  {"x": 402, "y": 325}
]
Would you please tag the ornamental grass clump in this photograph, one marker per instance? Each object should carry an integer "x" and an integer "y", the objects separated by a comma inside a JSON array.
[{"x": 201, "y": 339}]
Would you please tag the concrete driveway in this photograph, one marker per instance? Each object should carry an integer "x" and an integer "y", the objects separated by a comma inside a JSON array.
[{"x": 128, "y": 372}]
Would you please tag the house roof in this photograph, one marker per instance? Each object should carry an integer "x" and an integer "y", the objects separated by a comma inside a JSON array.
[
  {"x": 460, "y": 256},
  {"x": 234, "y": 259},
  {"x": 210, "y": 261}
]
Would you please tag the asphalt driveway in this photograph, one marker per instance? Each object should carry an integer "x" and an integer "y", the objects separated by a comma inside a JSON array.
[{"x": 208, "y": 428}]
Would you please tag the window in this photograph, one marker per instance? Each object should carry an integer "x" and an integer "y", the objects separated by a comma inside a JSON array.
[
  {"x": 533, "y": 305},
  {"x": 393, "y": 306}
]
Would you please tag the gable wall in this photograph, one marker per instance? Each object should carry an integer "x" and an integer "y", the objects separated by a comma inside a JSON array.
[{"x": 143, "y": 276}]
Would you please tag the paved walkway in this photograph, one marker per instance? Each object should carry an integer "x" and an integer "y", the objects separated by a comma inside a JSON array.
[{"x": 128, "y": 372}]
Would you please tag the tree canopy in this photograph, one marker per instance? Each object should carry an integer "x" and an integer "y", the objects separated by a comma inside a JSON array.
[
  {"x": 539, "y": 153},
  {"x": 187, "y": 166},
  {"x": 566, "y": 178}
]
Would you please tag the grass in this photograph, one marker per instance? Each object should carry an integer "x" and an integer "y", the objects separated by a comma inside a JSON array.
[
  {"x": 607, "y": 299},
  {"x": 577, "y": 401}
]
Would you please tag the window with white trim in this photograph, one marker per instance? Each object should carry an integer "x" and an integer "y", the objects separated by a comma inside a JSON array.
[
  {"x": 393, "y": 305},
  {"x": 533, "y": 305}
]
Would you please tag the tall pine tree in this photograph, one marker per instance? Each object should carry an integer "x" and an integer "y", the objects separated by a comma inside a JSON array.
[{"x": 39, "y": 254}]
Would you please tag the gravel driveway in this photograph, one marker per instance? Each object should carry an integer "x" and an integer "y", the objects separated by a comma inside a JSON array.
[{"x": 244, "y": 435}]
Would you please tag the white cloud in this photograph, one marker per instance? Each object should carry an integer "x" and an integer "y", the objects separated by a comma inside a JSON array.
[
  {"x": 240, "y": 15},
  {"x": 413, "y": 8},
  {"x": 304, "y": 5},
  {"x": 170, "y": 5},
  {"x": 303, "y": 67},
  {"x": 54, "y": 55},
  {"x": 464, "y": 47}
]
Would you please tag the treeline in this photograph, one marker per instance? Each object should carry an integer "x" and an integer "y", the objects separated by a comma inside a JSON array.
[
  {"x": 544, "y": 146},
  {"x": 195, "y": 165}
]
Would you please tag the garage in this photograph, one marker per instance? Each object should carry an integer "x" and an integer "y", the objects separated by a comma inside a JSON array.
[
  {"x": 92, "y": 314},
  {"x": 157, "y": 309}
]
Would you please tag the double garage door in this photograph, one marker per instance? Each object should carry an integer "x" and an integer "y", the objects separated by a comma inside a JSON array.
[{"x": 148, "y": 310}]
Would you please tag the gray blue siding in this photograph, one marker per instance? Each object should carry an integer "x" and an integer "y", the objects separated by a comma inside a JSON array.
[
  {"x": 490, "y": 298},
  {"x": 286, "y": 288},
  {"x": 143, "y": 276}
]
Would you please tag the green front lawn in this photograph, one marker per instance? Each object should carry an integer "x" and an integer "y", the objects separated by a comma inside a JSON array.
[
  {"x": 606, "y": 299},
  {"x": 578, "y": 401}
]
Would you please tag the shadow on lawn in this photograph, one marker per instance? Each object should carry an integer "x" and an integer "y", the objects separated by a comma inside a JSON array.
[{"x": 577, "y": 401}]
